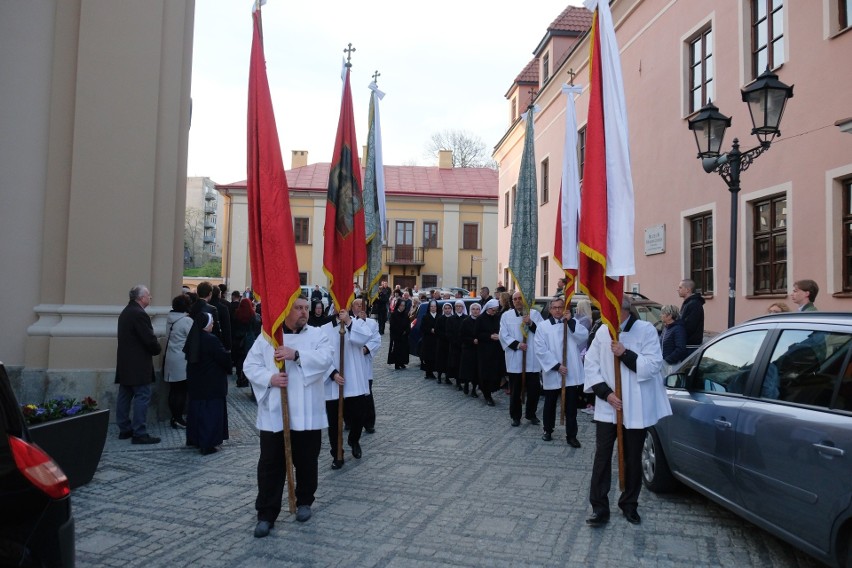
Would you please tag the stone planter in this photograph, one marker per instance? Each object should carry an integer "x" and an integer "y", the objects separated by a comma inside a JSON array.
[{"x": 75, "y": 443}]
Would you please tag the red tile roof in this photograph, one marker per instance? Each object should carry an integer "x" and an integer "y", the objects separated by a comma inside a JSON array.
[
  {"x": 529, "y": 73},
  {"x": 419, "y": 181},
  {"x": 573, "y": 19}
]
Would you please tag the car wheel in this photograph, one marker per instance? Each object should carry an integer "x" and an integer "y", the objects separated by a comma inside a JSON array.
[{"x": 656, "y": 474}]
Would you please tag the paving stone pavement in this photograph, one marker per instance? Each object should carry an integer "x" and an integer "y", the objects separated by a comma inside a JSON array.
[{"x": 444, "y": 481}]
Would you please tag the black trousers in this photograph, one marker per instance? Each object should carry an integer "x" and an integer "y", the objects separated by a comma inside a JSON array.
[
  {"x": 605, "y": 437},
  {"x": 382, "y": 317},
  {"x": 370, "y": 411},
  {"x": 271, "y": 470},
  {"x": 532, "y": 390},
  {"x": 354, "y": 412},
  {"x": 552, "y": 405},
  {"x": 177, "y": 399}
]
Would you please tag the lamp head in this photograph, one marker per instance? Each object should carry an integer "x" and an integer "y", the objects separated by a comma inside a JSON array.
[
  {"x": 766, "y": 97},
  {"x": 709, "y": 127}
]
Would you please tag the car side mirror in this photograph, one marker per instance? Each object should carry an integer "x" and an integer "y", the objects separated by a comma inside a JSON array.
[{"x": 676, "y": 381}]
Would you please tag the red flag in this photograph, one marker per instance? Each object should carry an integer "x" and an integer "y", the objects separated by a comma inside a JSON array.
[
  {"x": 272, "y": 248},
  {"x": 595, "y": 216},
  {"x": 345, "y": 253}
]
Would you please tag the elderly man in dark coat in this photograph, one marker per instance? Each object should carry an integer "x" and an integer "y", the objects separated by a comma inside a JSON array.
[{"x": 134, "y": 369}]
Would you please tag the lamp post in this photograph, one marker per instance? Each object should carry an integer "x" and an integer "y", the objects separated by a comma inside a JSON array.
[
  {"x": 766, "y": 98},
  {"x": 472, "y": 258}
]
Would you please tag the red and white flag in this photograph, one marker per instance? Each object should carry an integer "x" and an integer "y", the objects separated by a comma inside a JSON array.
[{"x": 607, "y": 213}]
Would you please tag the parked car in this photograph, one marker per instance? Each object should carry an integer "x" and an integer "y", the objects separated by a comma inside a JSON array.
[
  {"x": 644, "y": 308},
  {"x": 36, "y": 524},
  {"x": 762, "y": 424}
]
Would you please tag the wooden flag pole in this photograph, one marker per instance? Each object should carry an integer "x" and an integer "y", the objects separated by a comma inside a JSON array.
[
  {"x": 340, "y": 397},
  {"x": 619, "y": 420},
  {"x": 564, "y": 364},
  {"x": 288, "y": 452}
]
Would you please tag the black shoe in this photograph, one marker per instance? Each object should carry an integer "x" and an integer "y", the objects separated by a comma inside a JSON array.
[
  {"x": 534, "y": 420},
  {"x": 632, "y": 517},
  {"x": 125, "y": 435},
  {"x": 490, "y": 402},
  {"x": 178, "y": 423},
  {"x": 303, "y": 513},
  {"x": 547, "y": 437},
  {"x": 597, "y": 519},
  {"x": 356, "y": 450},
  {"x": 429, "y": 376},
  {"x": 474, "y": 395},
  {"x": 466, "y": 388},
  {"x": 146, "y": 439},
  {"x": 574, "y": 442},
  {"x": 208, "y": 451},
  {"x": 516, "y": 423},
  {"x": 370, "y": 430},
  {"x": 262, "y": 529},
  {"x": 336, "y": 464}
]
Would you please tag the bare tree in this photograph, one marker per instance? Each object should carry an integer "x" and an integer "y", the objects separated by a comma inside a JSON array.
[
  {"x": 469, "y": 150},
  {"x": 193, "y": 231}
]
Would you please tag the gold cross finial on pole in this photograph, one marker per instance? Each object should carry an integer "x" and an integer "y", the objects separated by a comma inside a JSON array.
[
  {"x": 348, "y": 51},
  {"x": 376, "y": 76},
  {"x": 571, "y": 74}
]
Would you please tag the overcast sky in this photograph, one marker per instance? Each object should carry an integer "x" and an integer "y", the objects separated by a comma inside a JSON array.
[{"x": 444, "y": 65}]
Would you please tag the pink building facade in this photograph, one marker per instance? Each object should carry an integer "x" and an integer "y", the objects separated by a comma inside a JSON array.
[{"x": 795, "y": 204}]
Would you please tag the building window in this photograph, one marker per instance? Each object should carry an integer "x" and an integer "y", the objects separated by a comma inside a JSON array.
[
  {"x": 701, "y": 70},
  {"x": 506, "y": 209},
  {"x": 701, "y": 251},
  {"x": 514, "y": 109},
  {"x": 303, "y": 279},
  {"x": 469, "y": 283},
  {"x": 844, "y": 13},
  {"x": 514, "y": 197},
  {"x": 545, "y": 181},
  {"x": 301, "y": 230},
  {"x": 581, "y": 152},
  {"x": 507, "y": 280},
  {"x": 770, "y": 245},
  {"x": 430, "y": 234},
  {"x": 545, "y": 68},
  {"x": 430, "y": 281},
  {"x": 470, "y": 236},
  {"x": 847, "y": 236},
  {"x": 545, "y": 275},
  {"x": 767, "y": 35}
]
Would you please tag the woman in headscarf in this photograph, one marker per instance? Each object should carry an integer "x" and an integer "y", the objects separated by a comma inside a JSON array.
[
  {"x": 317, "y": 317},
  {"x": 178, "y": 325},
  {"x": 399, "y": 330},
  {"x": 246, "y": 328},
  {"x": 491, "y": 358},
  {"x": 442, "y": 351},
  {"x": 468, "y": 365},
  {"x": 207, "y": 387},
  {"x": 505, "y": 306},
  {"x": 429, "y": 340},
  {"x": 453, "y": 327}
]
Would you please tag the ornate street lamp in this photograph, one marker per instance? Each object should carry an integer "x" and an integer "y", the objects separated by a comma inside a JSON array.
[{"x": 766, "y": 98}]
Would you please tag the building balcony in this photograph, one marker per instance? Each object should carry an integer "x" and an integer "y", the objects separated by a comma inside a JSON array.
[
  {"x": 210, "y": 207},
  {"x": 209, "y": 239},
  {"x": 404, "y": 255}
]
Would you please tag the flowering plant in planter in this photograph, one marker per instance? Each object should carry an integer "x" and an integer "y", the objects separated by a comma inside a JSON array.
[{"x": 57, "y": 408}]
